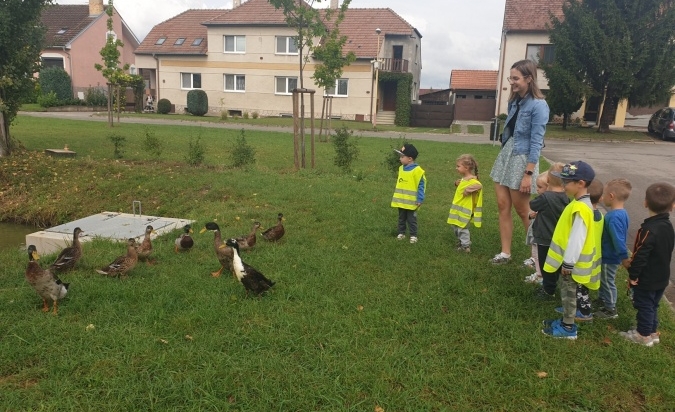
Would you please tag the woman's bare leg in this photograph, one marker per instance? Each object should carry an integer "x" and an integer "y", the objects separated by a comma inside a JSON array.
[
  {"x": 505, "y": 220},
  {"x": 521, "y": 202}
]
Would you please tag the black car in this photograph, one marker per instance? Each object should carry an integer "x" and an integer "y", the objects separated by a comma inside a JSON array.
[{"x": 663, "y": 123}]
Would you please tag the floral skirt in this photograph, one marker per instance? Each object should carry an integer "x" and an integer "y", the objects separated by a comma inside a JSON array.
[{"x": 509, "y": 168}]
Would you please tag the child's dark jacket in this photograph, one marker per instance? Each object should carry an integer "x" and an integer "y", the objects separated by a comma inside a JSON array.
[{"x": 650, "y": 263}]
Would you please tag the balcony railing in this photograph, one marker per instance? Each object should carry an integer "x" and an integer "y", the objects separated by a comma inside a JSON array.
[{"x": 394, "y": 65}]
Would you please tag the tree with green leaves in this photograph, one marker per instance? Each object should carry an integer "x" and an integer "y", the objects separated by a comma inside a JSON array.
[
  {"x": 21, "y": 38},
  {"x": 317, "y": 35},
  {"x": 566, "y": 89},
  {"x": 625, "y": 48},
  {"x": 110, "y": 69}
]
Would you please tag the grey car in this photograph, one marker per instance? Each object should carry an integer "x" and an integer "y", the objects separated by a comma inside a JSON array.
[{"x": 663, "y": 123}]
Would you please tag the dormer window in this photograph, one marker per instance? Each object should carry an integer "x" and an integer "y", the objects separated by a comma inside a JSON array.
[
  {"x": 198, "y": 41},
  {"x": 160, "y": 41},
  {"x": 62, "y": 31},
  {"x": 179, "y": 41}
]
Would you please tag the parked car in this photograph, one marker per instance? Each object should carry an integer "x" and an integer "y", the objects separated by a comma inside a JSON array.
[{"x": 663, "y": 123}]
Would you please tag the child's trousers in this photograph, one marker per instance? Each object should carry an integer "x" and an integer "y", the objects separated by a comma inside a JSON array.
[
  {"x": 463, "y": 235},
  {"x": 608, "y": 291},
  {"x": 647, "y": 304},
  {"x": 409, "y": 217}
]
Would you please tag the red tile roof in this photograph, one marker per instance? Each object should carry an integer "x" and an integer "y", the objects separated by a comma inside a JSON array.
[
  {"x": 187, "y": 25},
  {"x": 530, "y": 15},
  {"x": 358, "y": 25},
  {"x": 73, "y": 18},
  {"x": 473, "y": 79}
]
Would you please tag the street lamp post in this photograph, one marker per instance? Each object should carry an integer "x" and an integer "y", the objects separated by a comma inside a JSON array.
[{"x": 377, "y": 77}]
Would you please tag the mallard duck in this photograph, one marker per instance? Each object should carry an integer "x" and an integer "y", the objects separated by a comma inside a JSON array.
[
  {"x": 145, "y": 248},
  {"x": 123, "y": 264},
  {"x": 69, "y": 255},
  {"x": 223, "y": 252},
  {"x": 185, "y": 241},
  {"x": 252, "y": 280},
  {"x": 246, "y": 242},
  {"x": 44, "y": 282},
  {"x": 275, "y": 232}
]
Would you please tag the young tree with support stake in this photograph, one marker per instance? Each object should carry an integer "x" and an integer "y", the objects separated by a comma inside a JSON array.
[
  {"x": 311, "y": 24},
  {"x": 625, "y": 49},
  {"x": 21, "y": 38}
]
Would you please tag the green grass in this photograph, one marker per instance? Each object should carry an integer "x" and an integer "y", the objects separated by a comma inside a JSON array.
[
  {"x": 356, "y": 319},
  {"x": 456, "y": 128},
  {"x": 475, "y": 129},
  {"x": 32, "y": 107}
]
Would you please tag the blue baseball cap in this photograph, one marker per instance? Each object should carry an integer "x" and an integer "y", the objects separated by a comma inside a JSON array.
[{"x": 576, "y": 171}]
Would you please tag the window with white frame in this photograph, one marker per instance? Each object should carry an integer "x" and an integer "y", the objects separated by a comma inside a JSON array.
[
  {"x": 234, "y": 44},
  {"x": 191, "y": 80},
  {"x": 235, "y": 83},
  {"x": 340, "y": 88},
  {"x": 285, "y": 85},
  {"x": 286, "y": 45},
  {"x": 544, "y": 53}
]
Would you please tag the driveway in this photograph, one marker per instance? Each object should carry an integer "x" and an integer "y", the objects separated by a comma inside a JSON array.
[{"x": 643, "y": 163}]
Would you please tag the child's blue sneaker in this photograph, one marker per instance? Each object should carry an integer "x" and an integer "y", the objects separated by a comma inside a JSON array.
[
  {"x": 557, "y": 330},
  {"x": 579, "y": 317}
]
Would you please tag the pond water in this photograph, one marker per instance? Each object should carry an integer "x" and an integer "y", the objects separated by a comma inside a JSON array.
[{"x": 13, "y": 235}]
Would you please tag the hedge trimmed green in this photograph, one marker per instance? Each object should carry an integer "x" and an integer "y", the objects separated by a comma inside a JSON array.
[
  {"x": 55, "y": 79},
  {"x": 163, "y": 106},
  {"x": 197, "y": 102}
]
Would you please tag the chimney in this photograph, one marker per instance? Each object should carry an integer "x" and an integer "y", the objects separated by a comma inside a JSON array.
[
  {"x": 236, "y": 3},
  {"x": 334, "y": 4},
  {"x": 95, "y": 7}
]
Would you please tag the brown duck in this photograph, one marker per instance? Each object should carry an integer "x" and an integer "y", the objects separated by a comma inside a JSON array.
[
  {"x": 248, "y": 241},
  {"x": 184, "y": 241},
  {"x": 275, "y": 232},
  {"x": 123, "y": 264},
  {"x": 44, "y": 282},
  {"x": 70, "y": 255},
  {"x": 145, "y": 248},
  {"x": 224, "y": 253}
]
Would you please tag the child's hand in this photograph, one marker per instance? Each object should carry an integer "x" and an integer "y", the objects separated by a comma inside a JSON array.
[
  {"x": 532, "y": 215},
  {"x": 457, "y": 182},
  {"x": 626, "y": 262},
  {"x": 633, "y": 282}
]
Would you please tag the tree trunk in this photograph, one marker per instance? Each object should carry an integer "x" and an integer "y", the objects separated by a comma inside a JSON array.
[
  {"x": 119, "y": 104},
  {"x": 608, "y": 113},
  {"x": 5, "y": 147},
  {"x": 110, "y": 99},
  {"x": 565, "y": 120},
  {"x": 323, "y": 111}
]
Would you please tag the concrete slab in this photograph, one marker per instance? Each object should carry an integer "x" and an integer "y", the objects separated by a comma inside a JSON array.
[{"x": 106, "y": 225}]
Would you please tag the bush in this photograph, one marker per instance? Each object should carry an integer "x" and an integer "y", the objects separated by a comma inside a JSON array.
[
  {"x": 242, "y": 153},
  {"x": 391, "y": 161},
  {"x": 118, "y": 142},
  {"x": 55, "y": 79},
  {"x": 197, "y": 102},
  {"x": 152, "y": 144},
  {"x": 346, "y": 151},
  {"x": 48, "y": 100},
  {"x": 163, "y": 106},
  {"x": 223, "y": 115},
  {"x": 255, "y": 115},
  {"x": 95, "y": 96},
  {"x": 245, "y": 115},
  {"x": 195, "y": 154}
]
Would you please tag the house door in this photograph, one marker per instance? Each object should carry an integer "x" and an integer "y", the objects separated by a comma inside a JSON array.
[
  {"x": 389, "y": 96},
  {"x": 592, "y": 107},
  {"x": 397, "y": 60}
]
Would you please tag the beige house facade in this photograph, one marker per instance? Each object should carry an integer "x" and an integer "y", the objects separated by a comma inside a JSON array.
[
  {"x": 248, "y": 62},
  {"x": 525, "y": 35}
]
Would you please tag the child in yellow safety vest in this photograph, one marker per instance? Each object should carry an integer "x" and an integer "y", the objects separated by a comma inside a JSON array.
[
  {"x": 467, "y": 204},
  {"x": 409, "y": 192},
  {"x": 573, "y": 248}
]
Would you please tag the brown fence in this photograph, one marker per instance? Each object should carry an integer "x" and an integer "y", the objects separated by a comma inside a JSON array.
[
  {"x": 431, "y": 116},
  {"x": 475, "y": 109}
]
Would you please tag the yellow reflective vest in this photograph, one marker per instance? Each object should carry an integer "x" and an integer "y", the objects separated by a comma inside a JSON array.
[
  {"x": 465, "y": 207},
  {"x": 583, "y": 271},
  {"x": 405, "y": 194},
  {"x": 597, "y": 263}
]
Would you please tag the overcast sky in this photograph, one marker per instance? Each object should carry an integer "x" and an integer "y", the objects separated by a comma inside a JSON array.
[{"x": 456, "y": 34}]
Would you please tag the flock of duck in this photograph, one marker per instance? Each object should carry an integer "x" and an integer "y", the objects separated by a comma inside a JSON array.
[{"x": 47, "y": 284}]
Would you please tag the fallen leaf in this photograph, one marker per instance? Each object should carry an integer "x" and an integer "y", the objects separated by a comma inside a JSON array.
[
  {"x": 542, "y": 375},
  {"x": 90, "y": 327},
  {"x": 359, "y": 308},
  {"x": 606, "y": 341},
  {"x": 188, "y": 337},
  {"x": 164, "y": 341},
  {"x": 379, "y": 408}
]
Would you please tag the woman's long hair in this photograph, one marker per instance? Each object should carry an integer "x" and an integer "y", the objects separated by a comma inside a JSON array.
[{"x": 527, "y": 68}]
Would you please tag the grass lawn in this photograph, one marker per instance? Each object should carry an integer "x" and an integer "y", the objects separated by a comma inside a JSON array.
[
  {"x": 475, "y": 129},
  {"x": 357, "y": 320}
]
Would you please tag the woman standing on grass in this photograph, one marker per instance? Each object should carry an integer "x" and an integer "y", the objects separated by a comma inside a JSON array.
[{"x": 518, "y": 160}]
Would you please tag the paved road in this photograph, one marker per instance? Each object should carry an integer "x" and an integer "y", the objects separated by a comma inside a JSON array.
[{"x": 643, "y": 163}]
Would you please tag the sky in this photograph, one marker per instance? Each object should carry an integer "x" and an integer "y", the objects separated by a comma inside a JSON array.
[{"x": 456, "y": 34}]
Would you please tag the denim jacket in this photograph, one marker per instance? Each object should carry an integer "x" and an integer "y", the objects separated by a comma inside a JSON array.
[{"x": 530, "y": 127}]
